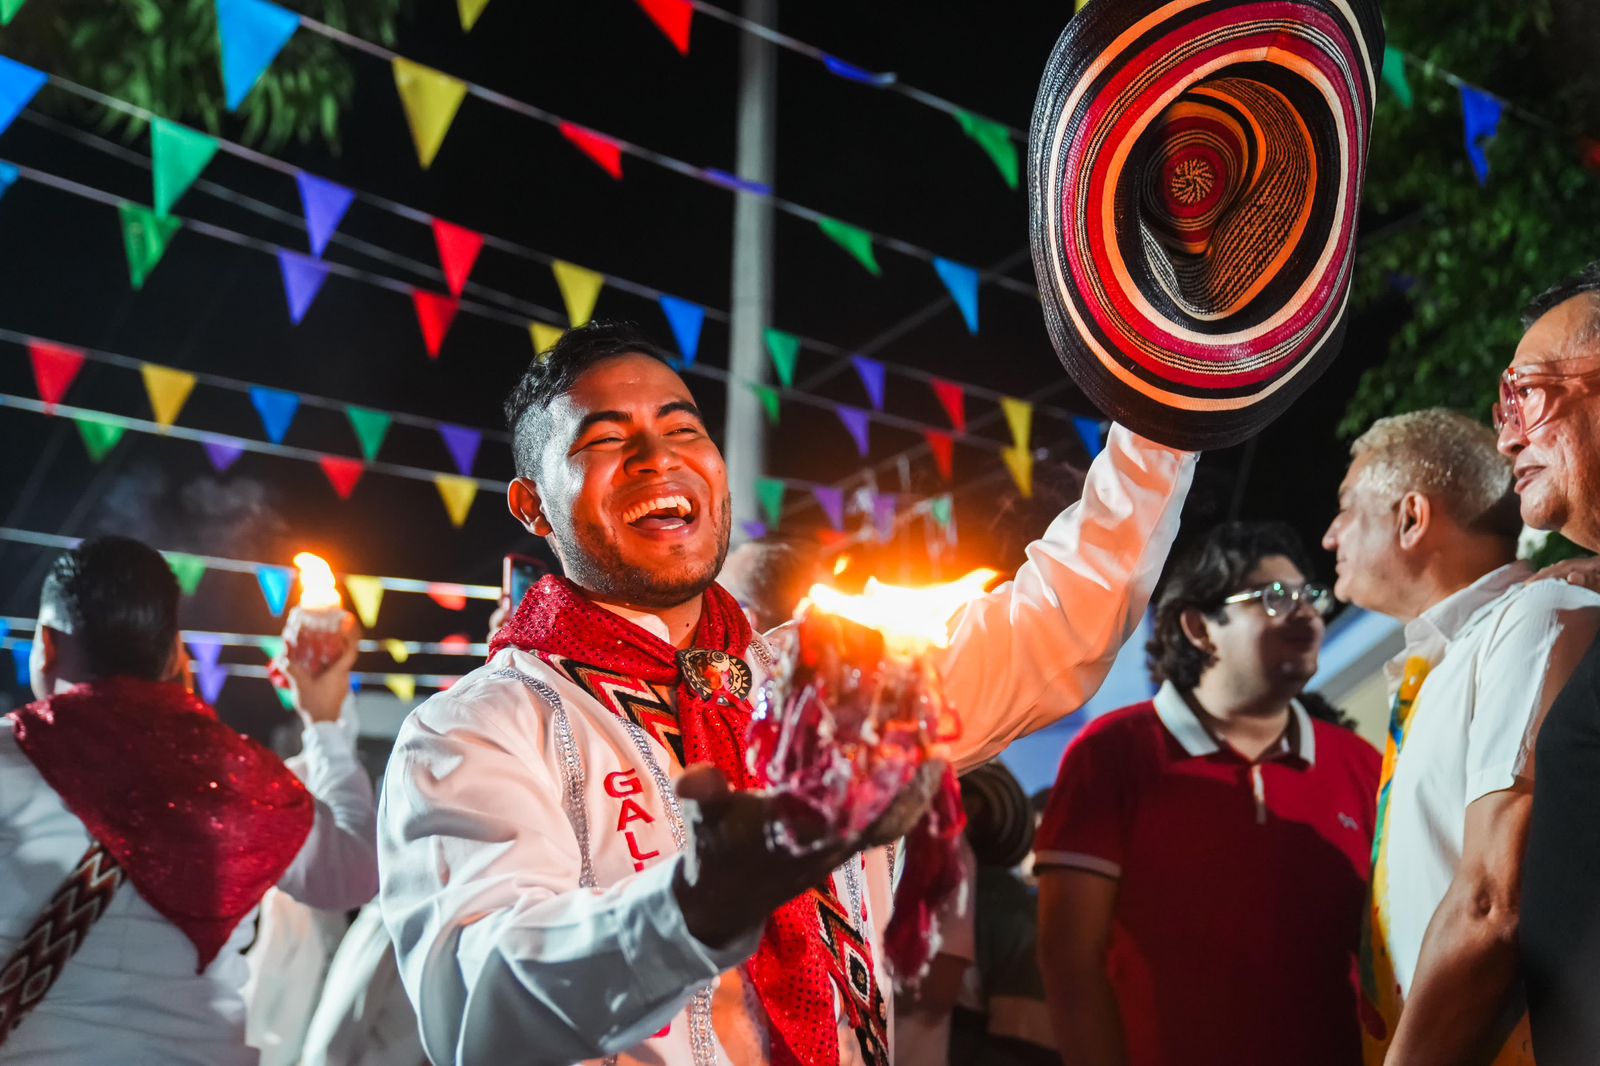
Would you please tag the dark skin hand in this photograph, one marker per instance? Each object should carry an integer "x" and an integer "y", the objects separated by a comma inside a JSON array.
[{"x": 734, "y": 876}]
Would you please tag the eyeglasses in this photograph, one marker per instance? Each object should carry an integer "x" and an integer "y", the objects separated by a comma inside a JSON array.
[
  {"x": 1526, "y": 391},
  {"x": 1279, "y": 598}
]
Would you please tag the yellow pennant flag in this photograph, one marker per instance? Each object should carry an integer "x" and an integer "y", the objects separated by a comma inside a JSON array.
[
  {"x": 1020, "y": 462},
  {"x": 366, "y": 593},
  {"x": 458, "y": 494},
  {"x": 430, "y": 100},
  {"x": 469, "y": 11},
  {"x": 1019, "y": 416},
  {"x": 397, "y": 650},
  {"x": 169, "y": 390},
  {"x": 580, "y": 288},
  {"x": 1081, "y": 4},
  {"x": 404, "y": 686},
  {"x": 544, "y": 337}
]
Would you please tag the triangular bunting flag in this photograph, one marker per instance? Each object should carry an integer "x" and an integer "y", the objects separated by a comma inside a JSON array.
[
  {"x": 544, "y": 337},
  {"x": 1394, "y": 76},
  {"x": 469, "y": 10},
  {"x": 1019, "y": 417},
  {"x": 21, "y": 661},
  {"x": 168, "y": 390},
  {"x": 1089, "y": 432},
  {"x": 55, "y": 367},
  {"x": 8, "y": 173},
  {"x": 597, "y": 146},
  {"x": 458, "y": 251},
  {"x": 366, "y": 596},
  {"x": 942, "y": 508},
  {"x": 302, "y": 280},
  {"x": 463, "y": 445},
  {"x": 883, "y": 515},
  {"x": 177, "y": 156},
  {"x": 962, "y": 281},
  {"x": 404, "y": 686},
  {"x": 397, "y": 649},
  {"x": 851, "y": 72},
  {"x": 324, "y": 204},
  {"x": 753, "y": 530},
  {"x": 222, "y": 453},
  {"x": 98, "y": 437},
  {"x": 855, "y": 420},
  {"x": 943, "y": 447},
  {"x": 430, "y": 99},
  {"x": 435, "y": 313},
  {"x": 686, "y": 319},
  {"x": 996, "y": 142},
  {"x": 9, "y": 9},
  {"x": 785, "y": 351},
  {"x": 673, "y": 18},
  {"x": 450, "y": 597},
  {"x": 832, "y": 503},
  {"x": 188, "y": 569},
  {"x": 1020, "y": 462},
  {"x": 285, "y": 697},
  {"x": 1480, "y": 115},
  {"x": 371, "y": 427},
  {"x": 580, "y": 288},
  {"x": 207, "y": 651},
  {"x": 272, "y": 647},
  {"x": 853, "y": 239},
  {"x": 872, "y": 376},
  {"x": 769, "y": 401},
  {"x": 458, "y": 494},
  {"x": 277, "y": 410},
  {"x": 18, "y": 85},
  {"x": 252, "y": 33},
  {"x": 954, "y": 401},
  {"x": 210, "y": 679},
  {"x": 145, "y": 236},
  {"x": 769, "y": 491},
  {"x": 275, "y": 582},
  {"x": 343, "y": 473}
]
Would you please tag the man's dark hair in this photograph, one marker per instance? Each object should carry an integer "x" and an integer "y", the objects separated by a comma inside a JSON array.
[
  {"x": 1585, "y": 282},
  {"x": 120, "y": 600},
  {"x": 1210, "y": 572},
  {"x": 555, "y": 370}
]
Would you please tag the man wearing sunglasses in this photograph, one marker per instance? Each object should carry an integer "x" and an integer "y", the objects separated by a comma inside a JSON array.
[
  {"x": 1549, "y": 423},
  {"x": 1426, "y": 533},
  {"x": 1203, "y": 859}
]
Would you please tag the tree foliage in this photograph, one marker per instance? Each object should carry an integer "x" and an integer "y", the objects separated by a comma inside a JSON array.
[
  {"x": 163, "y": 56},
  {"x": 1467, "y": 258}
]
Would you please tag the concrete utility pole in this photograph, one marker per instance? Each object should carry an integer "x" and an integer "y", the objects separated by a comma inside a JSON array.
[{"x": 745, "y": 436}]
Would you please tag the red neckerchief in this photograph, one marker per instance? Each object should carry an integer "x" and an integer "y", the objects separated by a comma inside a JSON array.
[
  {"x": 202, "y": 819},
  {"x": 793, "y": 972}
]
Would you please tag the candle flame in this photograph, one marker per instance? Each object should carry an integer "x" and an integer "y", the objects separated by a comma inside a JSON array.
[
  {"x": 912, "y": 619},
  {"x": 318, "y": 590}
]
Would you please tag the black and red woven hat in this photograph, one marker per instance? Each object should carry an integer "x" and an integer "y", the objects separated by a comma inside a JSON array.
[{"x": 1194, "y": 173}]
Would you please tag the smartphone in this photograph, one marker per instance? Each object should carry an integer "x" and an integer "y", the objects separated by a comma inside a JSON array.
[{"x": 517, "y": 575}]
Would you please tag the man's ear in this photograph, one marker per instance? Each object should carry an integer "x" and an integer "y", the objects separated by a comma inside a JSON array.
[
  {"x": 522, "y": 497},
  {"x": 49, "y": 649},
  {"x": 1413, "y": 518},
  {"x": 1192, "y": 621}
]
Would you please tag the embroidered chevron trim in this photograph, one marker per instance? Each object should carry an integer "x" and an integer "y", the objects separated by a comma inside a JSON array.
[
  {"x": 627, "y": 698},
  {"x": 869, "y": 1016}
]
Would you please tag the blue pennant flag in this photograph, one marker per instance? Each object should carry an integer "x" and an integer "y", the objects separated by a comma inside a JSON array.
[
  {"x": 685, "y": 318},
  {"x": 302, "y": 280},
  {"x": 872, "y": 374},
  {"x": 962, "y": 281},
  {"x": 463, "y": 445},
  {"x": 1089, "y": 432},
  {"x": 252, "y": 33},
  {"x": 18, "y": 85},
  {"x": 1480, "y": 114},
  {"x": 21, "y": 652},
  {"x": 277, "y": 410},
  {"x": 324, "y": 204},
  {"x": 8, "y": 177},
  {"x": 275, "y": 582},
  {"x": 736, "y": 183},
  {"x": 851, "y": 72}
]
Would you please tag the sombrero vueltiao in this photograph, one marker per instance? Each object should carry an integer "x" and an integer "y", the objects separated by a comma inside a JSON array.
[{"x": 1194, "y": 173}]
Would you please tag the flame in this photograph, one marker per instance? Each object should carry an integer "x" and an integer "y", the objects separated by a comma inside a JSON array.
[
  {"x": 912, "y": 619},
  {"x": 318, "y": 590}
]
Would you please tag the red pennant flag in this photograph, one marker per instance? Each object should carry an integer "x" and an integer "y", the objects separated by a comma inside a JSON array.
[
  {"x": 602, "y": 149},
  {"x": 434, "y": 314},
  {"x": 954, "y": 400},
  {"x": 458, "y": 251},
  {"x": 833, "y": 538},
  {"x": 450, "y": 597},
  {"x": 943, "y": 447},
  {"x": 673, "y": 18},
  {"x": 1589, "y": 153},
  {"x": 342, "y": 473},
  {"x": 54, "y": 368}
]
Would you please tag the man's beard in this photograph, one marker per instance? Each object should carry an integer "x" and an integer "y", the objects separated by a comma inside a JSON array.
[{"x": 594, "y": 563}]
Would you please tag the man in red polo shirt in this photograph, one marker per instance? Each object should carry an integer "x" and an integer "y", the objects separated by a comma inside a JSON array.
[{"x": 1203, "y": 861}]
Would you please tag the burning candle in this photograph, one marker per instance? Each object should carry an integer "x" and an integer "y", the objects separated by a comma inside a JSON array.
[{"x": 314, "y": 636}]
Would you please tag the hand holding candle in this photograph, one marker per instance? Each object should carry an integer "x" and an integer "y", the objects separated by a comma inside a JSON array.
[{"x": 317, "y": 632}]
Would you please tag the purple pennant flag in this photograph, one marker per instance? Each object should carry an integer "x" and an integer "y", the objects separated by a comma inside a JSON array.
[
  {"x": 206, "y": 650},
  {"x": 832, "y": 503},
  {"x": 211, "y": 679},
  {"x": 883, "y": 514},
  {"x": 753, "y": 530},
  {"x": 736, "y": 183},
  {"x": 871, "y": 372},
  {"x": 463, "y": 444},
  {"x": 302, "y": 280},
  {"x": 222, "y": 453},
  {"x": 324, "y": 204},
  {"x": 855, "y": 420}
]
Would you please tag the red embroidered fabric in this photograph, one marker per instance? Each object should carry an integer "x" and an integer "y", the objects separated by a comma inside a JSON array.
[{"x": 202, "y": 820}]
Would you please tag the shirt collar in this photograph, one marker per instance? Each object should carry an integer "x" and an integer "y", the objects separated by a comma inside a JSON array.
[
  {"x": 646, "y": 621},
  {"x": 1447, "y": 618},
  {"x": 1196, "y": 741}
]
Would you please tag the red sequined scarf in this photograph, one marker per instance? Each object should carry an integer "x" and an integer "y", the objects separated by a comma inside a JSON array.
[
  {"x": 201, "y": 819},
  {"x": 793, "y": 971}
]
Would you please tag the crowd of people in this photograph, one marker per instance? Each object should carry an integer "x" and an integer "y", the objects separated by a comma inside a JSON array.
[{"x": 571, "y": 858}]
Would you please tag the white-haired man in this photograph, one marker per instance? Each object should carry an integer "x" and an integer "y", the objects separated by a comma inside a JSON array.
[{"x": 1426, "y": 533}]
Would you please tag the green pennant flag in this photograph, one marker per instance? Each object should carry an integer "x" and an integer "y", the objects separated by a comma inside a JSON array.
[
  {"x": 785, "y": 351},
  {"x": 770, "y": 492},
  {"x": 99, "y": 437},
  {"x": 145, "y": 235},
  {"x": 272, "y": 647},
  {"x": 371, "y": 427},
  {"x": 996, "y": 142},
  {"x": 1394, "y": 76},
  {"x": 769, "y": 401},
  {"x": 285, "y": 697},
  {"x": 188, "y": 569},
  {"x": 940, "y": 507},
  {"x": 177, "y": 154},
  {"x": 853, "y": 239},
  {"x": 8, "y": 10}
]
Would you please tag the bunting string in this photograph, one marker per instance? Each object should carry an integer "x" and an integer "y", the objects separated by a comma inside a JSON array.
[{"x": 255, "y": 640}]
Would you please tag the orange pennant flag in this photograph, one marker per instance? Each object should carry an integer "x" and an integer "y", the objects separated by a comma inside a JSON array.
[
  {"x": 168, "y": 389},
  {"x": 366, "y": 595},
  {"x": 580, "y": 288},
  {"x": 430, "y": 100},
  {"x": 458, "y": 494}
]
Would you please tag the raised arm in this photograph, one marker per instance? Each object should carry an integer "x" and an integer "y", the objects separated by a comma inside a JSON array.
[
  {"x": 1038, "y": 647},
  {"x": 337, "y": 867}
]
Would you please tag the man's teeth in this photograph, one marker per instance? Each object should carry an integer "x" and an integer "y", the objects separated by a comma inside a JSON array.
[{"x": 679, "y": 505}]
